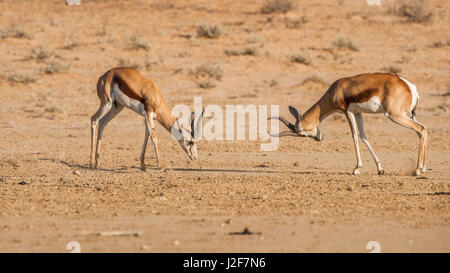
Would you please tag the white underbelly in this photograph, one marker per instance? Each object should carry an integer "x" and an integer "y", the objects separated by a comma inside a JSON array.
[
  {"x": 126, "y": 101},
  {"x": 371, "y": 106}
]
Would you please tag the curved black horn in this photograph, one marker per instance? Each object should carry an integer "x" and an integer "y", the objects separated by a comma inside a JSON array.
[
  {"x": 287, "y": 123},
  {"x": 285, "y": 133},
  {"x": 192, "y": 124},
  {"x": 199, "y": 124}
]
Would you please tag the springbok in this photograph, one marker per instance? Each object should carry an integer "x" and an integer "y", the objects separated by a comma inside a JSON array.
[
  {"x": 372, "y": 93},
  {"x": 126, "y": 87}
]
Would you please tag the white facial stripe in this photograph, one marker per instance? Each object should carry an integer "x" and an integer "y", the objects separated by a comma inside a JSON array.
[
  {"x": 371, "y": 106},
  {"x": 414, "y": 94},
  {"x": 126, "y": 101}
]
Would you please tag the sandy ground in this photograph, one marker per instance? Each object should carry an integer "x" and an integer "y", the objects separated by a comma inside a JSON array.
[{"x": 299, "y": 198}]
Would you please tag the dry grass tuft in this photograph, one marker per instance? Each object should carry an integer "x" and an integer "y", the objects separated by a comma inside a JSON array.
[
  {"x": 164, "y": 5},
  {"x": 18, "y": 79},
  {"x": 252, "y": 51},
  {"x": 272, "y": 6},
  {"x": 300, "y": 58},
  {"x": 205, "y": 83},
  {"x": 136, "y": 43},
  {"x": 209, "y": 31},
  {"x": 345, "y": 43},
  {"x": 128, "y": 63},
  {"x": 205, "y": 75},
  {"x": 413, "y": 10},
  {"x": 55, "y": 67},
  {"x": 14, "y": 32},
  {"x": 289, "y": 23},
  {"x": 314, "y": 79},
  {"x": 391, "y": 69},
  {"x": 211, "y": 71},
  {"x": 71, "y": 46},
  {"x": 40, "y": 54}
]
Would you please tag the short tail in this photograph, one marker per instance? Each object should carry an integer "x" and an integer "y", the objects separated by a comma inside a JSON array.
[{"x": 105, "y": 85}]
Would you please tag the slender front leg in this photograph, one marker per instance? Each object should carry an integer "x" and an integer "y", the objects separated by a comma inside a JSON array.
[
  {"x": 144, "y": 147},
  {"x": 94, "y": 124},
  {"x": 352, "y": 121},
  {"x": 151, "y": 127},
  {"x": 362, "y": 135}
]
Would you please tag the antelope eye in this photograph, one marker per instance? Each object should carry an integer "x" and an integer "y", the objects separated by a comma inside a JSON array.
[{"x": 191, "y": 142}]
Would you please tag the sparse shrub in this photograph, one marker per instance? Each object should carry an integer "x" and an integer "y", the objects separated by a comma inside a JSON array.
[
  {"x": 136, "y": 43},
  {"x": 209, "y": 31},
  {"x": 128, "y": 63},
  {"x": 71, "y": 46},
  {"x": 205, "y": 74},
  {"x": 212, "y": 71},
  {"x": 165, "y": 5},
  {"x": 271, "y": 83},
  {"x": 314, "y": 79},
  {"x": 413, "y": 10},
  {"x": 205, "y": 83},
  {"x": 54, "y": 67},
  {"x": 439, "y": 44},
  {"x": 255, "y": 39},
  {"x": 299, "y": 58},
  {"x": 253, "y": 51},
  {"x": 392, "y": 69},
  {"x": 345, "y": 43},
  {"x": 289, "y": 23},
  {"x": 19, "y": 78},
  {"x": 46, "y": 107},
  {"x": 14, "y": 32},
  {"x": 40, "y": 54},
  {"x": 272, "y": 6}
]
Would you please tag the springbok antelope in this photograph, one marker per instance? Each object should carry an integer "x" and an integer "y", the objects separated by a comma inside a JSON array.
[
  {"x": 372, "y": 93},
  {"x": 125, "y": 87}
]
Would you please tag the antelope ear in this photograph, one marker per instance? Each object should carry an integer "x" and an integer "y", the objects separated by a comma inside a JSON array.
[{"x": 295, "y": 113}]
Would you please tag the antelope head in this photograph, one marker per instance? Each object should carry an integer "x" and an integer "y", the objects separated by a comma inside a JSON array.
[
  {"x": 297, "y": 129},
  {"x": 190, "y": 137}
]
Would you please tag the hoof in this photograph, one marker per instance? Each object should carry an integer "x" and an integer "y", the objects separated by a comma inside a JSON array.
[
  {"x": 356, "y": 171},
  {"x": 163, "y": 169},
  {"x": 93, "y": 166},
  {"x": 142, "y": 168},
  {"x": 417, "y": 172},
  {"x": 380, "y": 172},
  {"x": 424, "y": 169}
]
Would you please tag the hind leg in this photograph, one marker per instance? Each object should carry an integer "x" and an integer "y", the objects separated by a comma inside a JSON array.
[
  {"x": 102, "y": 110},
  {"x": 113, "y": 112},
  {"x": 423, "y": 136}
]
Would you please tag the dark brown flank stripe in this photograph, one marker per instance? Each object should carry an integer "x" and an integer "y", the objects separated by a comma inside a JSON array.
[{"x": 123, "y": 86}]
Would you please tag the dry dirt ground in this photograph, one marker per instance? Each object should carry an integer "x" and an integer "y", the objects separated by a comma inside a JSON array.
[{"x": 299, "y": 198}]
